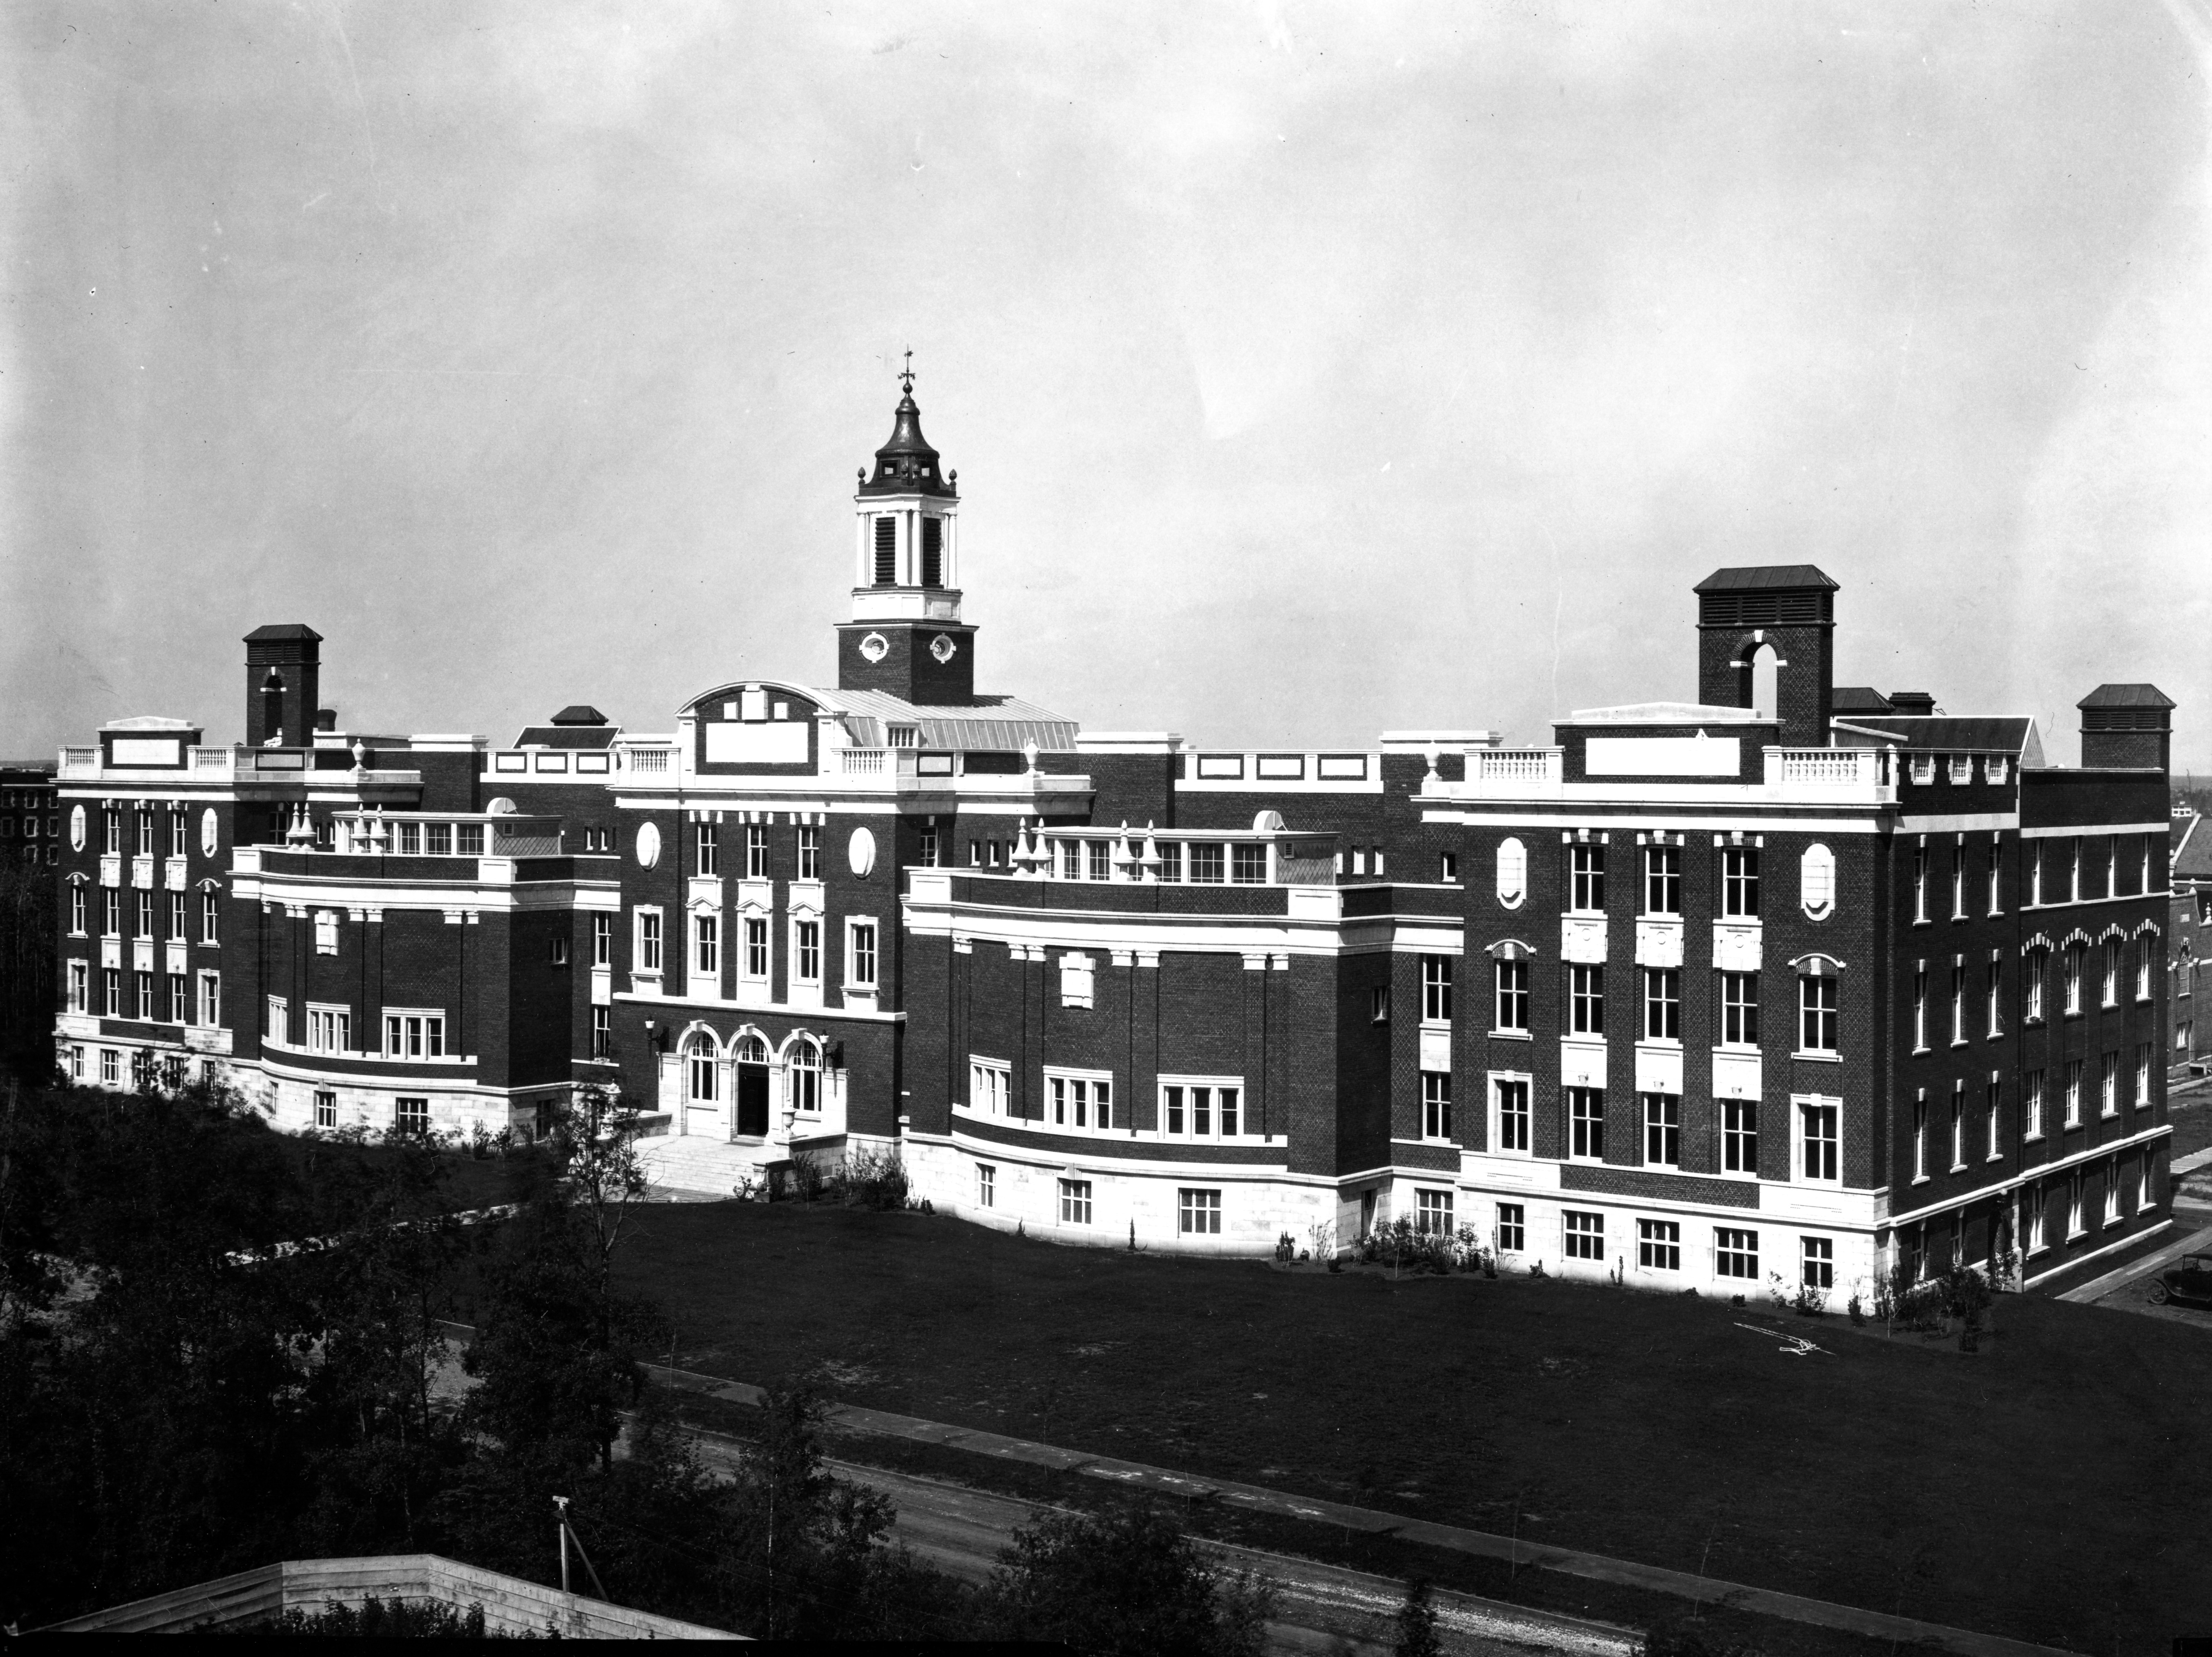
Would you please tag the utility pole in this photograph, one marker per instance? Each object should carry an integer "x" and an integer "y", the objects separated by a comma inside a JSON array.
[{"x": 561, "y": 1502}]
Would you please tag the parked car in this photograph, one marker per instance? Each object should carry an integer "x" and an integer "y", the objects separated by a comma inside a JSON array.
[{"x": 2187, "y": 1282}]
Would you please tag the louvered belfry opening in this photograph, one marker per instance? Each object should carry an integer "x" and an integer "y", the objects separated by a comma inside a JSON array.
[
  {"x": 886, "y": 552},
  {"x": 1781, "y": 615},
  {"x": 933, "y": 552}
]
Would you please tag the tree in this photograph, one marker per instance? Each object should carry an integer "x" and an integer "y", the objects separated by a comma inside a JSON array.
[
  {"x": 1417, "y": 1623},
  {"x": 1130, "y": 1583}
]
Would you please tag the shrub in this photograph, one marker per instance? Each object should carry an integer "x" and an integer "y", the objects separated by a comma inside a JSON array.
[{"x": 384, "y": 1619}]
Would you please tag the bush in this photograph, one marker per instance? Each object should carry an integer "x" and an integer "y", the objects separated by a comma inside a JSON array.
[
  {"x": 383, "y": 1620},
  {"x": 1126, "y": 1584}
]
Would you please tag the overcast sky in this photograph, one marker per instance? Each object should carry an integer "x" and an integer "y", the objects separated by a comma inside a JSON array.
[{"x": 1310, "y": 371}]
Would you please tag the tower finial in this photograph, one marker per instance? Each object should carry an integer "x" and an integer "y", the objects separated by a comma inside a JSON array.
[{"x": 906, "y": 374}]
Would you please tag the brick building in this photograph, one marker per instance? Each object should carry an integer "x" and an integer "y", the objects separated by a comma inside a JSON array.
[
  {"x": 29, "y": 823},
  {"x": 1787, "y": 981},
  {"x": 2189, "y": 973}
]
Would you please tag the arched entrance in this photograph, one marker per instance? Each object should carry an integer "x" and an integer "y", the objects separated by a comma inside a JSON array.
[
  {"x": 753, "y": 1088},
  {"x": 1766, "y": 680}
]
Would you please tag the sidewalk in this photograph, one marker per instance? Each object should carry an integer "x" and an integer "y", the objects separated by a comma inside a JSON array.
[
  {"x": 1765, "y": 1602},
  {"x": 2098, "y": 1288}
]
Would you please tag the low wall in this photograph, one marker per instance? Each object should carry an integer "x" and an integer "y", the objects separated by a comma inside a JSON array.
[{"x": 511, "y": 1604}]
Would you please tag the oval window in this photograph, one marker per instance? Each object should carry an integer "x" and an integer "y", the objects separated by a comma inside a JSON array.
[
  {"x": 1512, "y": 873},
  {"x": 211, "y": 833},
  {"x": 860, "y": 852},
  {"x": 1816, "y": 880},
  {"x": 648, "y": 845},
  {"x": 76, "y": 828}
]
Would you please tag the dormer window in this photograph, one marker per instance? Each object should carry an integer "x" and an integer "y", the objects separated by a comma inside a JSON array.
[{"x": 886, "y": 552}]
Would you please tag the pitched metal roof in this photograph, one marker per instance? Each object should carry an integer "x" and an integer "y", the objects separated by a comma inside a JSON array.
[
  {"x": 1953, "y": 733},
  {"x": 1852, "y": 699},
  {"x": 567, "y": 736},
  {"x": 1739, "y": 578},
  {"x": 579, "y": 713},
  {"x": 282, "y": 630},
  {"x": 2192, "y": 856},
  {"x": 2126, "y": 696},
  {"x": 1001, "y": 723}
]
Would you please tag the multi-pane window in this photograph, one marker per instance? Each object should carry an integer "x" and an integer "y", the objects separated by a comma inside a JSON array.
[
  {"x": 1996, "y": 871},
  {"x": 1993, "y": 1013},
  {"x": 1198, "y": 1212},
  {"x": 1662, "y": 1004},
  {"x": 112, "y": 992},
  {"x": 1958, "y": 1126},
  {"x": 1817, "y": 1263},
  {"x": 110, "y": 827},
  {"x": 648, "y": 940},
  {"x": 145, "y": 833},
  {"x": 1662, "y": 880},
  {"x": 756, "y": 962},
  {"x": 2108, "y": 1087},
  {"x": 79, "y": 911},
  {"x": 2037, "y": 970},
  {"x": 1819, "y": 1142},
  {"x": 706, "y": 945},
  {"x": 1436, "y": 989},
  {"x": 2142, "y": 1096},
  {"x": 1513, "y": 1116},
  {"x": 142, "y": 914},
  {"x": 1735, "y": 1253},
  {"x": 926, "y": 853},
  {"x": 1205, "y": 864},
  {"x": 603, "y": 1032},
  {"x": 1586, "y": 1123},
  {"x": 1170, "y": 859},
  {"x": 1740, "y": 1009},
  {"x": 111, "y": 1065},
  {"x": 80, "y": 979},
  {"x": 987, "y": 1185},
  {"x": 1920, "y": 882},
  {"x": 410, "y": 1115},
  {"x": 810, "y": 854},
  {"x": 1740, "y": 883},
  {"x": 2143, "y": 967},
  {"x": 1739, "y": 1136},
  {"x": 1075, "y": 1202},
  {"x": 2070, "y": 982},
  {"x": 2111, "y": 996},
  {"x": 414, "y": 1036},
  {"x": 2073, "y": 1093},
  {"x": 1958, "y": 1002},
  {"x": 2074, "y": 870},
  {"x": 210, "y": 999},
  {"x": 144, "y": 985},
  {"x": 1993, "y": 1114},
  {"x": 2031, "y": 1089},
  {"x": 1436, "y": 1105},
  {"x": 1662, "y": 1130},
  {"x": 110, "y": 913},
  {"x": 806, "y": 951},
  {"x": 330, "y": 1029},
  {"x": 176, "y": 908},
  {"x": 990, "y": 1086},
  {"x": 1586, "y": 878},
  {"x": 805, "y": 1074},
  {"x": 756, "y": 851},
  {"x": 326, "y": 1110},
  {"x": 1818, "y": 1026},
  {"x": 702, "y": 1068},
  {"x": 1585, "y": 999},
  {"x": 1920, "y": 1138},
  {"x": 602, "y": 939},
  {"x": 277, "y": 1025},
  {"x": 1099, "y": 852},
  {"x": 707, "y": 839},
  {"x": 2032, "y": 1210},
  {"x": 2111, "y": 1184},
  {"x": 1512, "y": 981},
  {"x": 1432, "y": 1213},
  {"x": 1080, "y": 1101},
  {"x": 174, "y": 1011},
  {"x": 1957, "y": 883},
  {"x": 1248, "y": 865},
  {"x": 1512, "y": 1235},
  {"x": 861, "y": 954},
  {"x": 1202, "y": 1110},
  {"x": 1582, "y": 1235},
  {"x": 1659, "y": 1245}
]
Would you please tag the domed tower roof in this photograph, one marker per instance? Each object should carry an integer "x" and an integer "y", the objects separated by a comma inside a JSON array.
[{"x": 906, "y": 464}]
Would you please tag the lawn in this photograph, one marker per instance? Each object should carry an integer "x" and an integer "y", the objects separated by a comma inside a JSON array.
[
  {"x": 2031, "y": 1489},
  {"x": 2191, "y": 1114}
]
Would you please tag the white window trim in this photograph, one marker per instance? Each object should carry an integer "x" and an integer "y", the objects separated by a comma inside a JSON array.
[
  {"x": 748, "y": 919},
  {"x": 445, "y": 1057},
  {"x": 1242, "y": 1137},
  {"x": 1800, "y": 1103},
  {"x": 1494, "y": 1135},
  {"x": 854, "y": 927},
  {"x": 330, "y": 1010},
  {"x": 1567, "y": 1101},
  {"x": 1092, "y": 1077},
  {"x": 638, "y": 913},
  {"x": 1003, "y": 1072}
]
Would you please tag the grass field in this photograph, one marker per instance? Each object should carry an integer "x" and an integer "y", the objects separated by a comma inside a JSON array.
[{"x": 2040, "y": 1489}]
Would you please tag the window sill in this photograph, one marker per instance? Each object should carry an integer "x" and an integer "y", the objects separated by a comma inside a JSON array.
[
  {"x": 1916, "y": 1051},
  {"x": 1993, "y": 1157},
  {"x": 2035, "y": 1139},
  {"x": 1920, "y": 1178},
  {"x": 1817, "y": 1057},
  {"x": 1958, "y": 1168},
  {"x": 1512, "y": 1035},
  {"x": 1961, "y": 1041},
  {"x": 1739, "y": 1049},
  {"x": 2116, "y": 1219}
]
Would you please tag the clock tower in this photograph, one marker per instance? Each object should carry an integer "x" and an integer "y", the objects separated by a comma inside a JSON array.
[{"x": 906, "y": 637}]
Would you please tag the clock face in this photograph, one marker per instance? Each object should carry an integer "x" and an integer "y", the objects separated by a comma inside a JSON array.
[
  {"x": 942, "y": 647},
  {"x": 875, "y": 646}
]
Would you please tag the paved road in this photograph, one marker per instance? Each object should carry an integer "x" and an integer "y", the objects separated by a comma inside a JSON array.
[{"x": 1321, "y": 1609}]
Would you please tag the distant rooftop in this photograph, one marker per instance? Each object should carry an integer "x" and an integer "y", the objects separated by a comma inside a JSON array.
[{"x": 1751, "y": 577}]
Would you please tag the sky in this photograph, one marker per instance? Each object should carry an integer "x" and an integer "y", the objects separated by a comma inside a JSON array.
[{"x": 1310, "y": 371}]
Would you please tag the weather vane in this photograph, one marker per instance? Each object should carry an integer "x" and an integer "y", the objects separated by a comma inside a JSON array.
[{"x": 906, "y": 374}]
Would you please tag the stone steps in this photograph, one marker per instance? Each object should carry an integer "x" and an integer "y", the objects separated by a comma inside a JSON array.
[{"x": 700, "y": 1169}]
